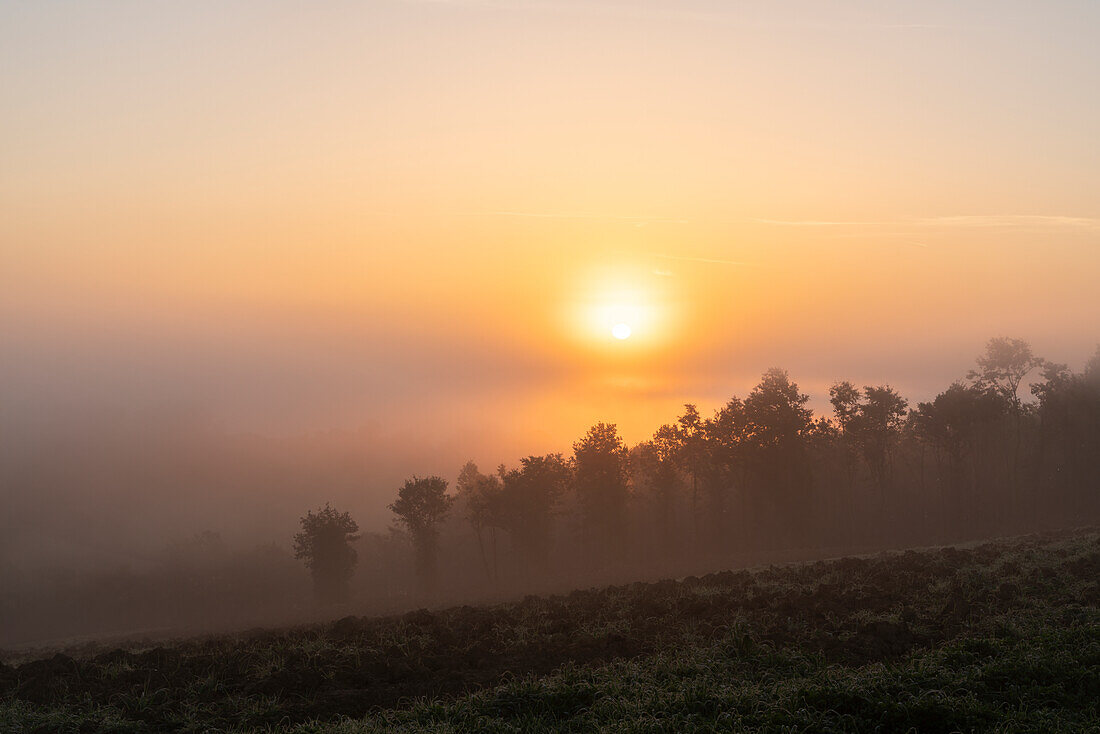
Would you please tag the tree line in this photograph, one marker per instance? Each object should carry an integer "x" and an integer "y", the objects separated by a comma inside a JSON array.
[{"x": 762, "y": 474}]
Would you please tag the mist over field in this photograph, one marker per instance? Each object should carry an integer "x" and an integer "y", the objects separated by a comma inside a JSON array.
[
  {"x": 549, "y": 365},
  {"x": 158, "y": 520},
  {"x": 109, "y": 457}
]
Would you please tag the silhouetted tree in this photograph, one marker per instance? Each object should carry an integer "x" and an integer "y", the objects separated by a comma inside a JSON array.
[
  {"x": 1003, "y": 367},
  {"x": 845, "y": 397},
  {"x": 691, "y": 454},
  {"x": 482, "y": 500},
  {"x": 725, "y": 475},
  {"x": 871, "y": 423},
  {"x": 325, "y": 545},
  {"x": 958, "y": 425},
  {"x": 835, "y": 517},
  {"x": 777, "y": 420},
  {"x": 654, "y": 468},
  {"x": 1069, "y": 438},
  {"x": 420, "y": 506},
  {"x": 600, "y": 461},
  {"x": 530, "y": 494}
]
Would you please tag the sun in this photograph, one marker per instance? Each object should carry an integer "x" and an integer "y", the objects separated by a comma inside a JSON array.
[{"x": 620, "y": 316}]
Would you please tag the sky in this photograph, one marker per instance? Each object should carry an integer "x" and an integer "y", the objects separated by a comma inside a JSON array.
[{"x": 422, "y": 218}]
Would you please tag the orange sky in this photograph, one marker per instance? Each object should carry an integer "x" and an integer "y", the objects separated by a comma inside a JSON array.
[{"x": 411, "y": 213}]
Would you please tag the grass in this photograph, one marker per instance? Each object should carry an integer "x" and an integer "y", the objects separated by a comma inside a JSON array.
[{"x": 1000, "y": 637}]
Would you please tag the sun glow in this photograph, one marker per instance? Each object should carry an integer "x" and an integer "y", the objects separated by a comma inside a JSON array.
[
  {"x": 622, "y": 315},
  {"x": 621, "y": 312}
]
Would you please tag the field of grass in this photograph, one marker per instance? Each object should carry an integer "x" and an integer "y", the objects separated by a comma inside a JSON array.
[{"x": 1003, "y": 636}]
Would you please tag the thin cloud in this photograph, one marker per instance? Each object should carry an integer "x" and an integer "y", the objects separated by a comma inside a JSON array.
[
  {"x": 803, "y": 222},
  {"x": 566, "y": 215},
  {"x": 967, "y": 220},
  {"x": 1010, "y": 220},
  {"x": 713, "y": 261},
  {"x": 874, "y": 233},
  {"x": 971, "y": 221}
]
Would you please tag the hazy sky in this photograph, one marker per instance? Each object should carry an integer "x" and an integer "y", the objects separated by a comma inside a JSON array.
[{"x": 424, "y": 216}]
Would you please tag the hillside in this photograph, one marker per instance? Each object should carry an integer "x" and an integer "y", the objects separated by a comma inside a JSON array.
[{"x": 1002, "y": 635}]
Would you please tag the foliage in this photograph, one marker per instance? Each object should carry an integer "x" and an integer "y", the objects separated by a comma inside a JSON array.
[
  {"x": 870, "y": 423},
  {"x": 601, "y": 485},
  {"x": 529, "y": 496},
  {"x": 1003, "y": 367},
  {"x": 324, "y": 544},
  {"x": 420, "y": 506},
  {"x": 481, "y": 496}
]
